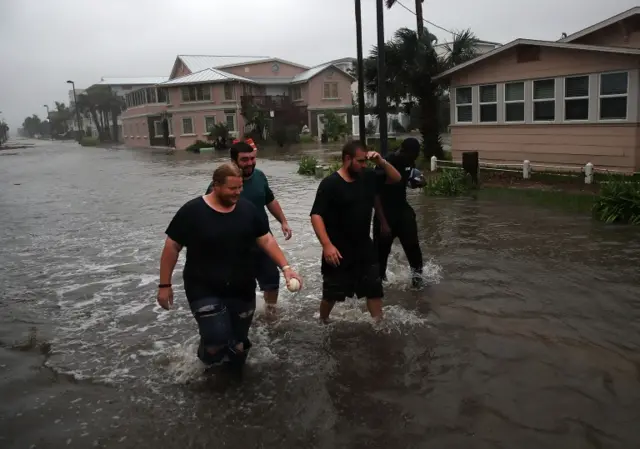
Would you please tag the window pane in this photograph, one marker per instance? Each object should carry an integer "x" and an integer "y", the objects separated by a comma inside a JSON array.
[
  {"x": 187, "y": 126},
  {"x": 157, "y": 128},
  {"x": 544, "y": 111},
  {"x": 209, "y": 122},
  {"x": 206, "y": 93},
  {"x": 514, "y": 112},
  {"x": 334, "y": 90},
  {"x": 514, "y": 92},
  {"x": 576, "y": 109},
  {"x": 465, "y": 113},
  {"x": 488, "y": 94},
  {"x": 162, "y": 96},
  {"x": 489, "y": 113},
  {"x": 613, "y": 84},
  {"x": 231, "y": 122},
  {"x": 463, "y": 95},
  {"x": 613, "y": 108},
  {"x": 543, "y": 89},
  {"x": 577, "y": 87}
]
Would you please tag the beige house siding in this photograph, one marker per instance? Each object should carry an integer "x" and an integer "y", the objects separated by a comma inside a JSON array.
[
  {"x": 611, "y": 147},
  {"x": 614, "y": 36},
  {"x": 553, "y": 62}
]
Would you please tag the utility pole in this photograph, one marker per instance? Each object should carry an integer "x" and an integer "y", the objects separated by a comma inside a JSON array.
[
  {"x": 360, "y": 72},
  {"x": 381, "y": 98},
  {"x": 419, "y": 17}
]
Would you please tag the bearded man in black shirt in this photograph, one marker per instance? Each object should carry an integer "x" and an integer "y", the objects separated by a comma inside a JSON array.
[
  {"x": 220, "y": 231},
  {"x": 341, "y": 219}
]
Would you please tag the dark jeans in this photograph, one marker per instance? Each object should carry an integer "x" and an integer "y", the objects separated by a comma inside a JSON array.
[
  {"x": 222, "y": 323},
  {"x": 402, "y": 222}
]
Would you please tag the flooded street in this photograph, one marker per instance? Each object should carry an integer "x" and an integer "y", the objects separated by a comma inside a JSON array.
[{"x": 528, "y": 336}]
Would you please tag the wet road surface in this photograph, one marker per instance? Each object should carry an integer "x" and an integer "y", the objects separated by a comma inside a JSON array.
[{"x": 527, "y": 337}]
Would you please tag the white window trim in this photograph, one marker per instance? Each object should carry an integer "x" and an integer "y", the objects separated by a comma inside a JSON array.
[
  {"x": 564, "y": 98},
  {"x": 505, "y": 102},
  {"x": 235, "y": 120},
  {"x": 337, "y": 90},
  {"x": 204, "y": 120},
  {"x": 192, "y": 133},
  {"x": 626, "y": 95},
  {"x": 155, "y": 131},
  {"x": 535, "y": 100},
  {"x": 455, "y": 98},
  {"x": 481, "y": 103}
]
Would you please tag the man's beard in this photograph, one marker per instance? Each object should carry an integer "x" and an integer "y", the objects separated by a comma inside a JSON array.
[
  {"x": 248, "y": 171},
  {"x": 353, "y": 173},
  {"x": 227, "y": 201}
]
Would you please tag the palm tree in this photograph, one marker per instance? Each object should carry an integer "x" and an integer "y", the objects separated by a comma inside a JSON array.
[
  {"x": 419, "y": 18},
  {"x": 4, "y": 132},
  {"x": 412, "y": 63}
]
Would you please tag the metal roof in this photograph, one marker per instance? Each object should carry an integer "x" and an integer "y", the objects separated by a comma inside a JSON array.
[
  {"x": 196, "y": 63},
  {"x": 594, "y": 48},
  {"x": 306, "y": 76},
  {"x": 271, "y": 80},
  {"x": 132, "y": 81},
  {"x": 206, "y": 76},
  {"x": 603, "y": 24}
]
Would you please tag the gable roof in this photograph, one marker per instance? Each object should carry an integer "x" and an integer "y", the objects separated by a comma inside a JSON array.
[
  {"x": 515, "y": 43},
  {"x": 196, "y": 63},
  {"x": 132, "y": 81},
  {"x": 262, "y": 60},
  {"x": 600, "y": 25},
  {"x": 306, "y": 76},
  {"x": 206, "y": 76}
]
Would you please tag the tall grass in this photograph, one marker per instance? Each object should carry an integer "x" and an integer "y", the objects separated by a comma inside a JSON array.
[
  {"x": 618, "y": 202},
  {"x": 307, "y": 165},
  {"x": 448, "y": 183}
]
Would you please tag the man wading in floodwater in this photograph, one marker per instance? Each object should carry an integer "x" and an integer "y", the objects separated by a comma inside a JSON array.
[
  {"x": 256, "y": 189},
  {"x": 341, "y": 219},
  {"x": 395, "y": 217},
  {"x": 220, "y": 231}
]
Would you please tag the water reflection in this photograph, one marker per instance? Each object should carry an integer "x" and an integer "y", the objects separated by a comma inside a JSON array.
[{"x": 527, "y": 336}]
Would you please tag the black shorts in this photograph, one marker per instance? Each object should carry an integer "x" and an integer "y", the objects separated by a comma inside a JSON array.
[
  {"x": 267, "y": 272},
  {"x": 358, "y": 274}
]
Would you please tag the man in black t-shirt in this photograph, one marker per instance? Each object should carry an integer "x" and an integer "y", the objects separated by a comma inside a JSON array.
[
  {"x": 220, "y": 231},
  {"x": 341, "y": 219},
  {"x": 395, "y": 217}
]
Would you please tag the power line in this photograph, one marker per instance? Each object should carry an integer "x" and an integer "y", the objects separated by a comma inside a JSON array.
[{"x": 425, "y": 20}]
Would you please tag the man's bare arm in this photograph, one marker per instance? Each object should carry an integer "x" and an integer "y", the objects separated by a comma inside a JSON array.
[
  {"x": 168, "y": 260},
  {"x": 391, "y": 173},
  {"x": 276, "y": 210},
  {"x": 321, "y": 231},
  {"x": 377, "y": 205},
  {"x": 269, "y": 245}
]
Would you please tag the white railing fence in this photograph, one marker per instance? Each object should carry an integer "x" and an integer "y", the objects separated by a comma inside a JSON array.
[{"x": 526, "y": 168}]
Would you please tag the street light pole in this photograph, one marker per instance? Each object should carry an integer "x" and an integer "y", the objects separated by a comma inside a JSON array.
[
  {"x": 360, "y": 73},
  {"x": 381, "y": 99},
  {"x": 75, "y": 105}
]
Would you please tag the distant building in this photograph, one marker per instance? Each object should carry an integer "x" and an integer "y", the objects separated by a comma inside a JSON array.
[{"x": 204, "y": 90}]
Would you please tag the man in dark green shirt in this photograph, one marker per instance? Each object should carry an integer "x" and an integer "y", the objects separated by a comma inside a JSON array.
[{"x": 256, "y": 189}]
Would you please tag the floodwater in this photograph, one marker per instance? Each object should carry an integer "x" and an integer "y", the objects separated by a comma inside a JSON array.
[{"x": 528, "y": 336}]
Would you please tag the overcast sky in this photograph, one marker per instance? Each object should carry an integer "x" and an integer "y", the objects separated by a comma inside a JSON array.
[{"x": 43, "y": 43}]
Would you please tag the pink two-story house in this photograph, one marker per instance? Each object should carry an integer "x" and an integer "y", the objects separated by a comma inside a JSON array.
[{"x": 204, "y": 90}]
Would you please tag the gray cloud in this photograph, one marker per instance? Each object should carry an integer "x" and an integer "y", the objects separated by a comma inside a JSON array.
[{"x": 44, "y": 43}]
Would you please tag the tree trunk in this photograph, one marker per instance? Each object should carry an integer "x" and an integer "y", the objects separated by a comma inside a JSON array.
[
  {"x": 94, "y": 115},
  {"x": 430, "y": 128},
  {"x": 419, "y": 17}
]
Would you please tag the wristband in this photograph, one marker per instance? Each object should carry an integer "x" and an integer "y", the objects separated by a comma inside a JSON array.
[{"x": 164, "y": 286}]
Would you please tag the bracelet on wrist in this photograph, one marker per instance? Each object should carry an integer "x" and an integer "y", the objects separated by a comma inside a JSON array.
[
  {"x": 286, "y": 267},
  {"x": 164, "y": 285}
]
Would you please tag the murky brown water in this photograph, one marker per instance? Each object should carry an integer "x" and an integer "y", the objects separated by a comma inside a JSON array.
[{"x": 528, "y": 337}]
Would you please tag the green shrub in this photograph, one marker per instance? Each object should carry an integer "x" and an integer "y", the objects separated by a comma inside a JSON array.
[
  {"x": 307, "y": 165},
  {"x": 306, "y": 138},
  {"x": 195, "y": 147},
  {"x": 89, "y": 141},
  {"x": 452, "y": 182},
  {"x": 335, "y": 165},
  {"x": 618, "y": 202}
]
